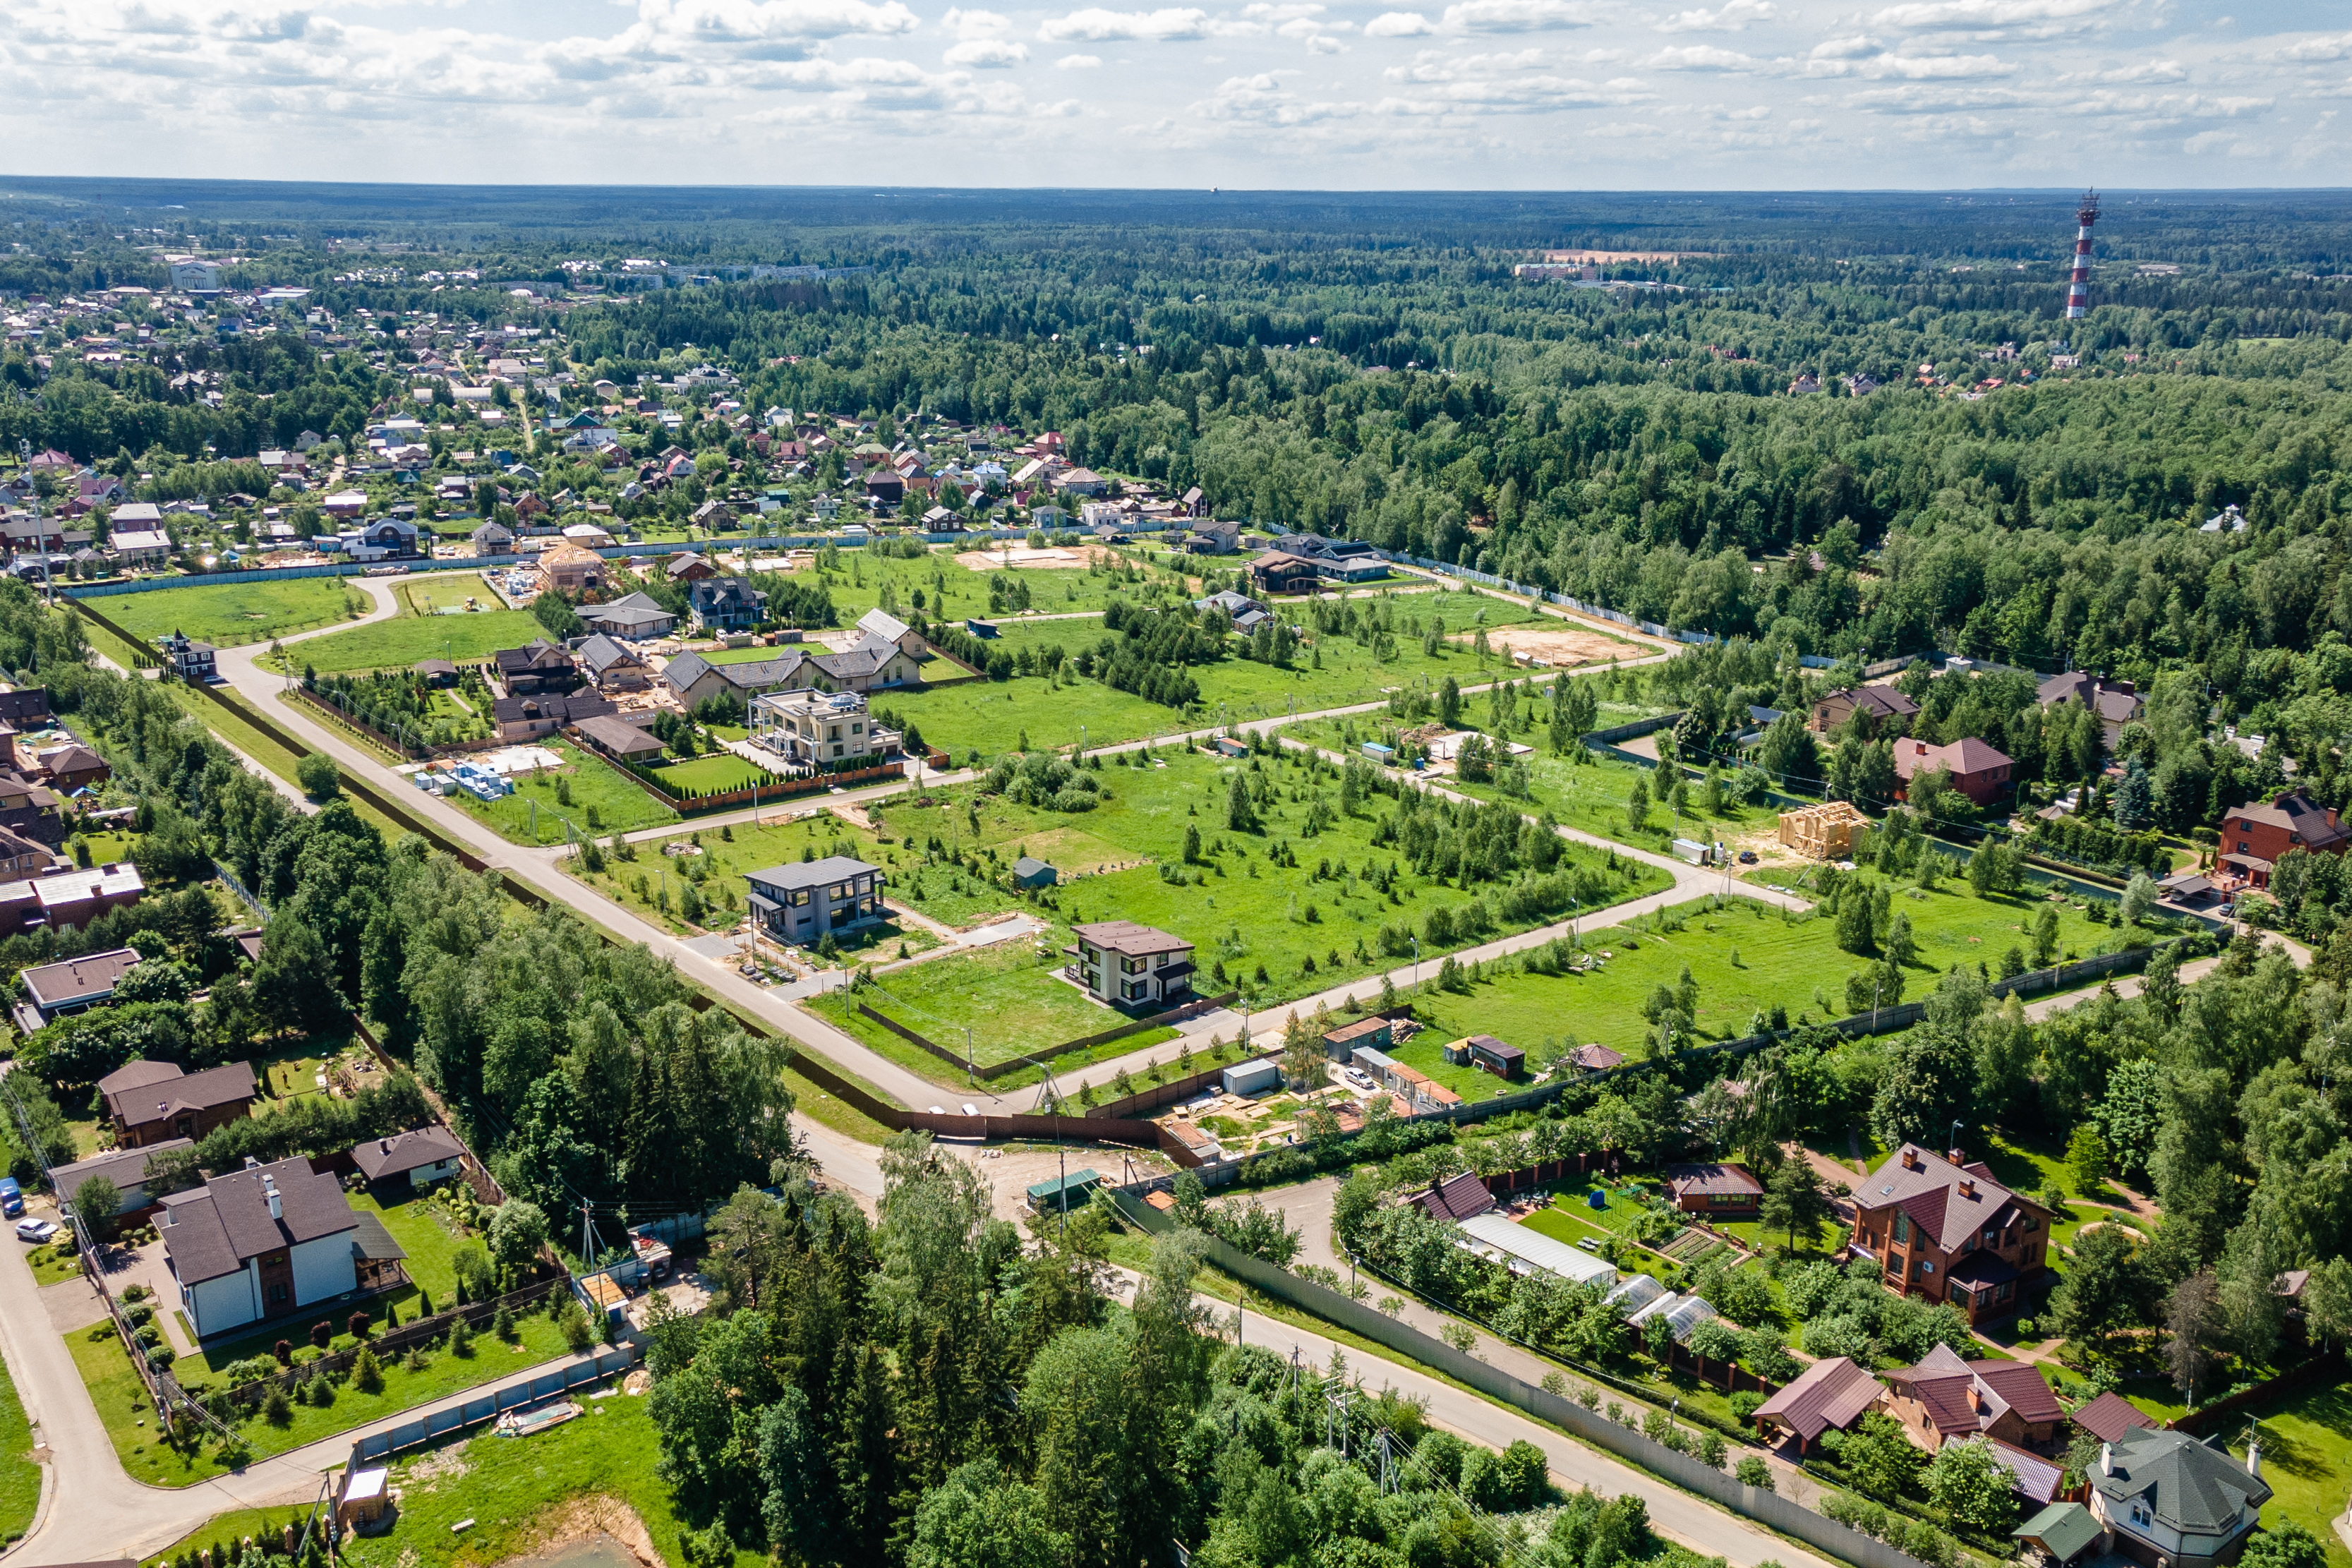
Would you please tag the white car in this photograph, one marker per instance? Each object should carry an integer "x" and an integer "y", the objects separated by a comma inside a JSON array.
[
  {"x": 35, "y": 1230},
  {"x": 1356, "y": 1077}
]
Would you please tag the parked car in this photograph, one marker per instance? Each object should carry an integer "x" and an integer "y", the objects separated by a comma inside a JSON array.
[
  {"x": 35, "y": 1230},
  {"x": 1356, "y": 1076},
  {"x": 1748, "y": 857},
  {"x": 12, "y": 1197}
]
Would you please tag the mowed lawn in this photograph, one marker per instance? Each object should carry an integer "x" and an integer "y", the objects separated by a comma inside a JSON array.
[
  {"x": 20, "y": 1478},
  {"x": 536, "y": 814},
  {"x": 955, "y": 590},
  {"x": 228, "y": 615},
  {"x": 395, "y": 644},
  {"x": 2306, "y": 1454},
  {"x": 990, "y": 718},
  {"x": 1012, "y": 999},
  {"x": 1745, "y": 956},
  {"x": 712, "y": 773}
]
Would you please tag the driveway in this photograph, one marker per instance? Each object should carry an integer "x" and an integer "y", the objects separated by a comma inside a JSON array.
[{"x": 124, "y": 1265}]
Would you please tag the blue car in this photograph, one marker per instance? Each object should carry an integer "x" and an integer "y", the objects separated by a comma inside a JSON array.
[{"x": 12, "y": 1199}]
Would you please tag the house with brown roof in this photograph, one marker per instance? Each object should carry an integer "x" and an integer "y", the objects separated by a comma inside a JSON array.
[
  {"x": 1831, "y": 1393},
  {"x": 1945, "y": 1399},
  {"x": 1977, "y": 771},
  {"x": 1596, "y": 1059},
  {"x": 70, "y": 986},
  {"x": 538, "y": 666},
  {"x": 2254, "y": 836},
  {"x": 150, "y": 1101},
  {"x": 1130, "y": 965},
  {"x": 1458, "y": 1197},
  {"x": 1949, "y": 1232},
  {"x": 2109, "y": 1417},
  {"x": 1731, "y": 1192},
  {"x": 1883, "y": 705},
  {"x": 2117, "y": 702},
  {"x": 573, "y": 569}
]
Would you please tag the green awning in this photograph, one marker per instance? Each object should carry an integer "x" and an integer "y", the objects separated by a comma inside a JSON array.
[{"x": 2064, "y": 1530}]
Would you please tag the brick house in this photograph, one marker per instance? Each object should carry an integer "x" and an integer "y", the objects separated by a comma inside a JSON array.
[
  {"x": 2256, "y": 835},
  {"x": 1946, "y": 1400},
  {"x": 150, "y": 1101},
  {"x": 1978, "y": 770},
  {"x": 1949, "y": 1232},
  {"x": 1729, "y": 1191},
  {"x": 1882, "y": 704}
]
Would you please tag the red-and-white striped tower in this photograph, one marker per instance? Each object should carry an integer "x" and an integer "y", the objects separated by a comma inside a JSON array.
[{"x": 2078, "y": 287}]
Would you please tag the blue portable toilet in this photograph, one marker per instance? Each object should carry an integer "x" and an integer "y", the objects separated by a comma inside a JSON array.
[{"x": 1597, "y": 1199}]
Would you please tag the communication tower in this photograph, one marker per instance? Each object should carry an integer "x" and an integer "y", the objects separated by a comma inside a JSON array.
[{"x": 2078, "y": 287}]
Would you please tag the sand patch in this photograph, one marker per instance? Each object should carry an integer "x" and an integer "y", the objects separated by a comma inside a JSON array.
[
  {"x": 1049, "y": 558},
  {"x": 594, "y": 1515},
  {"x": 1558, "y": 645}
]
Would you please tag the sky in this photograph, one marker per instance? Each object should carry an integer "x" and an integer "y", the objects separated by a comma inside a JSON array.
[{"x": 1290, "y": 94}]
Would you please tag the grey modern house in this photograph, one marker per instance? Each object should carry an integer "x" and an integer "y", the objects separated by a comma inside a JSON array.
[{"x": 800, "y": 903}]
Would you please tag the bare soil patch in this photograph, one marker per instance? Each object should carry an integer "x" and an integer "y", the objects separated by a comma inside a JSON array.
[
  {"x": 1559, "y": 645},
  {"x": 1052, "y": 558}
]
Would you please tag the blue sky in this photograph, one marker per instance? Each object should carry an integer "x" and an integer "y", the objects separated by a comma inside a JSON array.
[{"x": 1419, "y": 94}]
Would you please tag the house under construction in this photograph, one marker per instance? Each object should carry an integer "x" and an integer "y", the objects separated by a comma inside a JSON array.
[{"x": 1824, "y": 832}]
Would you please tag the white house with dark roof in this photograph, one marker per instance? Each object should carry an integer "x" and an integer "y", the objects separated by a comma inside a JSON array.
[
  {"x": 266, "y": 1242},
  {"x": 803, "y": 901},
  {"x": 428, "y": 1154},
  {"x": 1130, "y": 965}
]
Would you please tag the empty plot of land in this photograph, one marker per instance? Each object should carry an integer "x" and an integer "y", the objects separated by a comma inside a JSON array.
[
  {"x": 1560, "y": 646},
  {"x": 1050, "y": 558}
]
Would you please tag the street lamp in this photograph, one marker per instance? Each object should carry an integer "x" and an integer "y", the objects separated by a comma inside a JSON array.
[{"x": 1417, "y": 959}]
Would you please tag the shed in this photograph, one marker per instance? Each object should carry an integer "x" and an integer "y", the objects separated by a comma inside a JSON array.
[
  {"x": 1380, "y": 754},
  {"x": 1343, "y": 1043},
  {"x": 2066, "y": 1531},
  {"x": 1252, "y": 1078},
  {"x": 1229, "y": 747},
  {"x": 1031, "y": 872},
  {"x": 364, "y": 1493},
  {"x": 436, "y": 671},
  {"x": 1064, "y": 1193}
]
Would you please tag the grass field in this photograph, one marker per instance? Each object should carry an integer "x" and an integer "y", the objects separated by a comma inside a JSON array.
[
  {"x": 20, "y": 1478},
  {"x": 122, "y": 1405},
  {"x": 415, "y": 634},
  {"x": 1745, "y": 956},
  {"x": 991, "y": 717},
  {"x": 714, "y": 771},
  {"x": 229, "y": 614},
  {"x": 2306, "y": 1455},
  {"x": 1277, "y": 931},
  {"x": 593, "y": 785},
  {"x": 509, "y": 1489},
  {"x": 950, "y": 589}
]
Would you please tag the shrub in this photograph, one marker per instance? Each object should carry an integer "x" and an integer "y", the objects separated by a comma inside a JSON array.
[
  {"x": 367, "y": 1373},
  {"x": 578, "y": 1333},
  {"x": 140, "y": 1315},
  {"x": 461, "y": 1338},
  {"x": 277, "y": 1408},
  {"x": 322, "y": 1333},
  {"x": 1744, "y": 1406},
  {"x": 1754, "y": 1472},
  {"x": 415, "y": 1360},
  {"x": 160, "y": 1356},
  {"x": 320, "y": 1390},
  {"x": 503, "y": 1322},
  {"x": 134, "y": 1292},
  {"x": 284, "y": 1351},
  {"x": 358, "y": 1324}
]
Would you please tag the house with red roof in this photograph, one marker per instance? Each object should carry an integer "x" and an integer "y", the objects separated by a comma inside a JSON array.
[
  {"x": 1949, "y": 1232},
  {"x": 2254, "y": 836},
  {"x": 1831, "y": 1393},
  {"x": 1945, "y": 1399},
  {"x": 1977, "y": 771}
]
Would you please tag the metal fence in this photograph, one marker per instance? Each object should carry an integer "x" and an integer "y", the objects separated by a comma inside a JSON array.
[
  {"x": 489, "y": 1406},
  {"x": 1766, "y": 1508}
]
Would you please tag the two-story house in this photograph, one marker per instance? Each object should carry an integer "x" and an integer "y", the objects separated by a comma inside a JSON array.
[
  {"x": 2256, "y": 835},
  {"x": 537, "y": 668},
  {"x": 2167, "y": 1501},
  {"x": 190, "y": 659},
  {"x": 1949, "y": 1232},
  {"x": 1131, "y": 965},
  {"x": 801, "y": 902},
  {"x": 2117, "y": 702},
  {"x": 1946, "y": 1400},
  {"x": 1883, "y": 705},
  {"x": 150, "y": 1101},
  {"x": 267, "y": 1241},
  {"x": 725, "y": 604},
  {"x": 1977, "y": 769},
  {"x": 810, "y": 729}
]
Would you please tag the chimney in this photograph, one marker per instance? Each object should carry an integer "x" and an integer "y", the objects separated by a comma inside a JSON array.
[
  {"x": 1976, "y": 1397},
  {"x": 251, "y": 1164},
  {"x": 2107, "y": 1458},
  {"x": 2254, "y": 1459},
  {"x": 1910, "y": 1158},
  {"x": 277, "y": 1208},
  {"x": 1956, "y": 1156},
  {"x": 1967, "y": 1186}
]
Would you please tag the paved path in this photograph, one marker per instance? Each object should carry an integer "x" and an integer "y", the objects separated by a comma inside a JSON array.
[
  {"x": 2129, "y": 986},
  {"x": 1675, "y": 1514}
]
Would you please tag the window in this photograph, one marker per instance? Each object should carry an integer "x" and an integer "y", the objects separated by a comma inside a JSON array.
[
  {"x": 1902, "y": 1230},
  {"x": 278, "y": 1295},
  {"x": 1992, "y": 1237}
]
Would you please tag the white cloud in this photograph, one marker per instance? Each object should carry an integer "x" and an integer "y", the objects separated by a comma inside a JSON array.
[
  {"x": 1979, "y": 14},
  {"x": 1079, "y": 63},
  {"x": 1864, "y": 57},
  {"x": 1289, "y": 13},
  {"x": 1702, "y": 58},
  {"x": 1515, "y": 15},
  {"x": 976, "y": 24},
  {"x": 765, "y": 21},
  {"x": 1096, "y": 24},
  {"x": 2335, "y": 48},
  {"x": 1398, "y": 25},
  {"x": 987, "y": 54},
  {"x": 1729, "y": 17}
]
